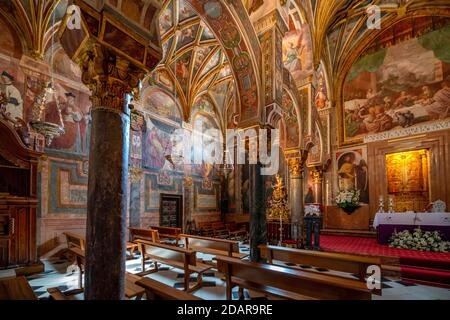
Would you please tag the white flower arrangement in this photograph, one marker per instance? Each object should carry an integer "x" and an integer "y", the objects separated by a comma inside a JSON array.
[
  {"x": 347, "y": 198},
  {"x": 419, "y": 240}
]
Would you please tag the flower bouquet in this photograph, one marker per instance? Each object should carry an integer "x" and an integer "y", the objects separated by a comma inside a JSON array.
[
  {"x": 419, "y": 240},
  {"x": 348, "y": 200}
]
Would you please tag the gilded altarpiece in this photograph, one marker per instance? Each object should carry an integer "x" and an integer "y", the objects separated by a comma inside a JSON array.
[{"x": 407, "y": 177}]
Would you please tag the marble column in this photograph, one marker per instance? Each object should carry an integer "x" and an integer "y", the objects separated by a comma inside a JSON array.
[
  {"x": 110, "y": 79},
  {"x": 296, "y": 166},
  {"x": 258, "y": 223}
]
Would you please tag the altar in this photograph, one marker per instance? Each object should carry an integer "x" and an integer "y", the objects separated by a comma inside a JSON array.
[{"x": 386, "y": 223}]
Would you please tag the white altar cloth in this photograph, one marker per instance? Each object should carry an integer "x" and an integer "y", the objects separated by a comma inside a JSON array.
[{"x": 420, "y": 218}]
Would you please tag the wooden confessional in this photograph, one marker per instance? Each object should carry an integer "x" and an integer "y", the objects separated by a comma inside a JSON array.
[{"x": 18, "y": 201}]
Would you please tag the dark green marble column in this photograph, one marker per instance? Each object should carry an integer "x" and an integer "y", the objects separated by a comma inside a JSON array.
[
  {"x": 258, "y": 223},
  {"x": 107, "y": 200}
]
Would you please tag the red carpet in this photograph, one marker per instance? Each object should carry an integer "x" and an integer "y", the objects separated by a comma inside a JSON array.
[{"x": 369, "y": 246}]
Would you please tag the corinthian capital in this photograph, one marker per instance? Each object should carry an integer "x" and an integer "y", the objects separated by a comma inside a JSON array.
[{"x": 109, "y": 76}]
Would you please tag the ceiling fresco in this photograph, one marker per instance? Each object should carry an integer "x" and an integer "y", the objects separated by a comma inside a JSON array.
[{"x": 193, "y": 63}]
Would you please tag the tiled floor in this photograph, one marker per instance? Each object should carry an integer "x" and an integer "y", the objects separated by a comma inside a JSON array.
[{"x": 59, "y": 274}]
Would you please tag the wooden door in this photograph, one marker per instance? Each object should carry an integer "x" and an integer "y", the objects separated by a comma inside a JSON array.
[{"x": 171, "y": 211}]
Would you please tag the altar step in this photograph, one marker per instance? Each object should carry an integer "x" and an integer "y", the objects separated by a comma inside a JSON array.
[
  {"x": 431, "y": 276},
  {"x": 351, "y": 233}
]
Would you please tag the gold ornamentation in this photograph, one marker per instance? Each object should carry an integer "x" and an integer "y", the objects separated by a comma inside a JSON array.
[
  {"x": 135, "y": 174},
  {"x": 278, "y": 207},
  {"x": 187, "y": 181},
  {"x": 109, "y": 77},
  {"x": 296, "y": 165},
  {"x": 317, "y": 175}
]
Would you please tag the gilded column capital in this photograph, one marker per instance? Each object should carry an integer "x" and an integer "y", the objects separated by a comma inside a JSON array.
[
  {"x": 109, "y": 76},
  {"x": 317, "y": 175},
  {"x": 135, "y": 174},
  {"x": 296, "y": 160}
]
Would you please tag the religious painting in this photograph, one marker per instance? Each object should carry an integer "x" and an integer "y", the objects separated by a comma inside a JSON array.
[
  {"x": 72, "y": 108},
  {"x": 398, "y": 86},
  {"x": 351, "y": 170},
  {"x": 297, "y": 53},
  {"x": 321, "y": 96},
  {"x": 160, "y": 103},
  {"x": 408, "y": 179},
  {"x": 11, "y": 88},
  {"x": 184, "y": 11},
  {"x": 309, "y": 188},
  {"x": 166, "y": 19},
  {"x": 187, "y": 36},
  {"x": 202, "y": 123},
  {"x": 201, "y": 53},
  {"x": 315, "y": 153},
  {"x": 64, "y": 66},
  {"x": 292, "y": 138},
  {"x": 182, "y": 70},
  {"x": 158, "y": 144},
  {"x": 207, "y": 34},
  {"x": 213, "y": 62}
]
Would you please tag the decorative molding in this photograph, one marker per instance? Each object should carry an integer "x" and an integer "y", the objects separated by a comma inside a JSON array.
[
  {"x": 441, "y": 125},
  {"x": 135, "y": 174}
]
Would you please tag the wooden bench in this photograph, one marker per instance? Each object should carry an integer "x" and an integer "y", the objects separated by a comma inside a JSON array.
[
  {"x": 131, "y": 290},
  {"x": 144, "y": 234},
  {"x": 16, "y": 289},
  {"x": 349, "y": 263},
  {"x": 288, "y": 283},
  {"x": 156, "y": 290},
  {"x": 75, "y": 240},
  {"x": 167, "y": 232},
  {"x": 173, "y": 256},
  {"x": 236, "y": 231},
  {"x": 213, "y": 246}
]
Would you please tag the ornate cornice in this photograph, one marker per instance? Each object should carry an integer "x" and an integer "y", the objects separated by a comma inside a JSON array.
[{"x": 270, "y": 20}]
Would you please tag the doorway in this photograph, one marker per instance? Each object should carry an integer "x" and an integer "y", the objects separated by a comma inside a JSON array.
[{"x": 171, "y": 210}]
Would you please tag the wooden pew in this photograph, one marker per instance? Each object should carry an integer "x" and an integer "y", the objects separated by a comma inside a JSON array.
[
  {"x": 288, "y": 283},
  {"x": 155, "y": 290},
  {"x": 213, "y": 246},
  {"x": 131, "y": 289},
  {"x": 173, "y": 256},
  {"x": 75, "y": 240},
  {"x": 16, "y": 289},
  {"x": 144, "y": 234},
  {"x": 167, "y": 232},
  {"x": 349, "y": 263}
]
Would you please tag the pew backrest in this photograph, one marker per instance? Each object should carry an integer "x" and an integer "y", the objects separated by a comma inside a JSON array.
[
  {"x": 75, "y": 240},
  {"x": 353, "y": 264},
  {"x": 145, "y": 234},
  {"x": 167, "y": 232},
  {"x": 290, "y": 280},
  {"x": 198, "y": 243},
  {"x": 156, "y": 290},
  {"x": 167, "y": 252}
]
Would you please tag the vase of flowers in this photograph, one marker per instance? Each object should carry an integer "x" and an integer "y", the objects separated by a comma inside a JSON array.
[
  {"x": 419, "y": 240},
  {"x": 348, "y": 200}
]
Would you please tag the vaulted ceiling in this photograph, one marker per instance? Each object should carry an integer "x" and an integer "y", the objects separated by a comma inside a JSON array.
[{"x": 194, "y": 64}]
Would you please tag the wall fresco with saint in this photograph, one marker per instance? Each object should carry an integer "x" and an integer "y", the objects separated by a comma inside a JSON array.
[
  {"x": 351, "y": 168},
  {"x": 400, "y": 85},
  {"x": 297, "y": 53}
]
